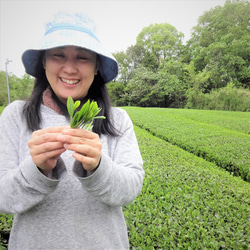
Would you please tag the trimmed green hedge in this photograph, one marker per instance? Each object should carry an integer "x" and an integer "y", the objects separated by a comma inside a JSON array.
[
  {"x": 239, "y": 121},
  {"x": 186, "y": 202},
  {"x": 227, "y": 148}
]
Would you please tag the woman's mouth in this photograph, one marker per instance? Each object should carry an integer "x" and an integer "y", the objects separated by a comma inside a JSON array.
[{"x": 69, "y": 82}]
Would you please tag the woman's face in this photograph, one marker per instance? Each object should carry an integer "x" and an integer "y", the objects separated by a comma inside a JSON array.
[{"x": 70, "y": 71}]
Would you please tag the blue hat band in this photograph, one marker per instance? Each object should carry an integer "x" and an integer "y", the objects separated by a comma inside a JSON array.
[{"x": 71, "y": 27}]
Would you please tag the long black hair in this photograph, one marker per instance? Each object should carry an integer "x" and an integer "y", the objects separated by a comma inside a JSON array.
[{"x": 97, "y": 91}]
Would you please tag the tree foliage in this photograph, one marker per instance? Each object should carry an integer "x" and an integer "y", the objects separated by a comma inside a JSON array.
[
  {"x": 19, "y": 88},
  {"x": 159, "y": 70},
  {"x": 220, "y": 44},
  {"x": 161, "y": 40}
]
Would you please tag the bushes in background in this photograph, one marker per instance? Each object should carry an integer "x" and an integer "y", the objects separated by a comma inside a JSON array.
[{"x": 227, "y": 99}]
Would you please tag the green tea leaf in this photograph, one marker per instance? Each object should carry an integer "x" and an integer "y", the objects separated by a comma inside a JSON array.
[
  {"x": 70, "y": 107},
  {"x": 76, "y": 105},
  {"x": 85, "y": 116}
]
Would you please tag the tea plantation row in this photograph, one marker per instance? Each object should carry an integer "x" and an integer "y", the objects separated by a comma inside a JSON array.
[
  {"x": 186, "y": 202},
  {"x": 219, "y": 137},
  {"x": 239, "y": 121}
]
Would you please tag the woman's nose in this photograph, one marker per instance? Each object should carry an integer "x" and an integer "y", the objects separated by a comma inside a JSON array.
[{"x": 70, "y": 66}]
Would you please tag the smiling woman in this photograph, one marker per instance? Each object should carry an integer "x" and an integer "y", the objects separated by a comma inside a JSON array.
[
  {"x": 70, "y": 71},
  {"x": 66, "y": 186}
]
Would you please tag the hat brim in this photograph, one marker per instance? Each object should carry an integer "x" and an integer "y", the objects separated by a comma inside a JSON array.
[{"x": 108, "y": 66}]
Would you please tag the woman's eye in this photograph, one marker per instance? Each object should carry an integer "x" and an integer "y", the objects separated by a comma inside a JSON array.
[
  {"x": 82, "y": 58},
  {"x": 58, "y": 55}
]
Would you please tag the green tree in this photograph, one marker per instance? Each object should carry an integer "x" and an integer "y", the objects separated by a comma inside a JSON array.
[
  {"x": 125, "y": 64},
  {"x": 220, "y": 44},
  {"x": 116, "y": 92},
  {"x": 160, "y": 71},
  {"x": 26, "y": 87},
  {"x": 170, "y": 78},
  {"x": 136, "y": 53},
  {"x": 135, "y": 56},
  {"x": 19, "y": 88},
  {"x": 144, "y": 90},
  {"x": 3, "y": 87},
  {"x": 162, "y": 40}
]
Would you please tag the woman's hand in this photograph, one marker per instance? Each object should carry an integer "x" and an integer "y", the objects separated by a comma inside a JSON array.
[
  {"x": 86, "y": 145},
  {"x": 45, "y": 149}
]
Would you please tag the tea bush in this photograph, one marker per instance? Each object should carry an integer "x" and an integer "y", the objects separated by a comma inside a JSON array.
[
  {"x": 239, "y": 121},
  {"x": 227, "y": 148},
  {"x": 5, "y": 227},
  {"x": 186, "y": 202}
]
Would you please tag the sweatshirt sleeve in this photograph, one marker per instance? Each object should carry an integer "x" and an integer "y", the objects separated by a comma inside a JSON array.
[
  {"x": 22, "y": 185},
  {"x": 119, "y": 178}
]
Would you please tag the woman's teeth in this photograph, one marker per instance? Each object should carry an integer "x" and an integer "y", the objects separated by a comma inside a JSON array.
[{"x": 71, "y": 82}]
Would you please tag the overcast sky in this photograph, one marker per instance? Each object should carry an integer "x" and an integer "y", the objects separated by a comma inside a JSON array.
[{"x": 118, "y": 22}]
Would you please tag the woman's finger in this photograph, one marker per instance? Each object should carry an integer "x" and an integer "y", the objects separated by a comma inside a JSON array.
[
  {"x": 83, "y": 133},
  {"x": 45, "y": 135},
  {"x": 88, "y": 163},
  {"x": 84, "y": 149},
  {"x": 45, "y": 148}
]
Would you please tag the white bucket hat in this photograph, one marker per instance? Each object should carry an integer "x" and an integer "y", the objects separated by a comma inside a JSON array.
[{"x": 68, "y": 29}]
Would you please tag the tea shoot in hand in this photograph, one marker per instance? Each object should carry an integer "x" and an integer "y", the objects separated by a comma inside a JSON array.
[{"x": 85, "y": 116}]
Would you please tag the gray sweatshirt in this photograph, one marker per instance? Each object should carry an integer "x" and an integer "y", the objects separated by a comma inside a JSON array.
[{"x": 68, "y": 210}]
